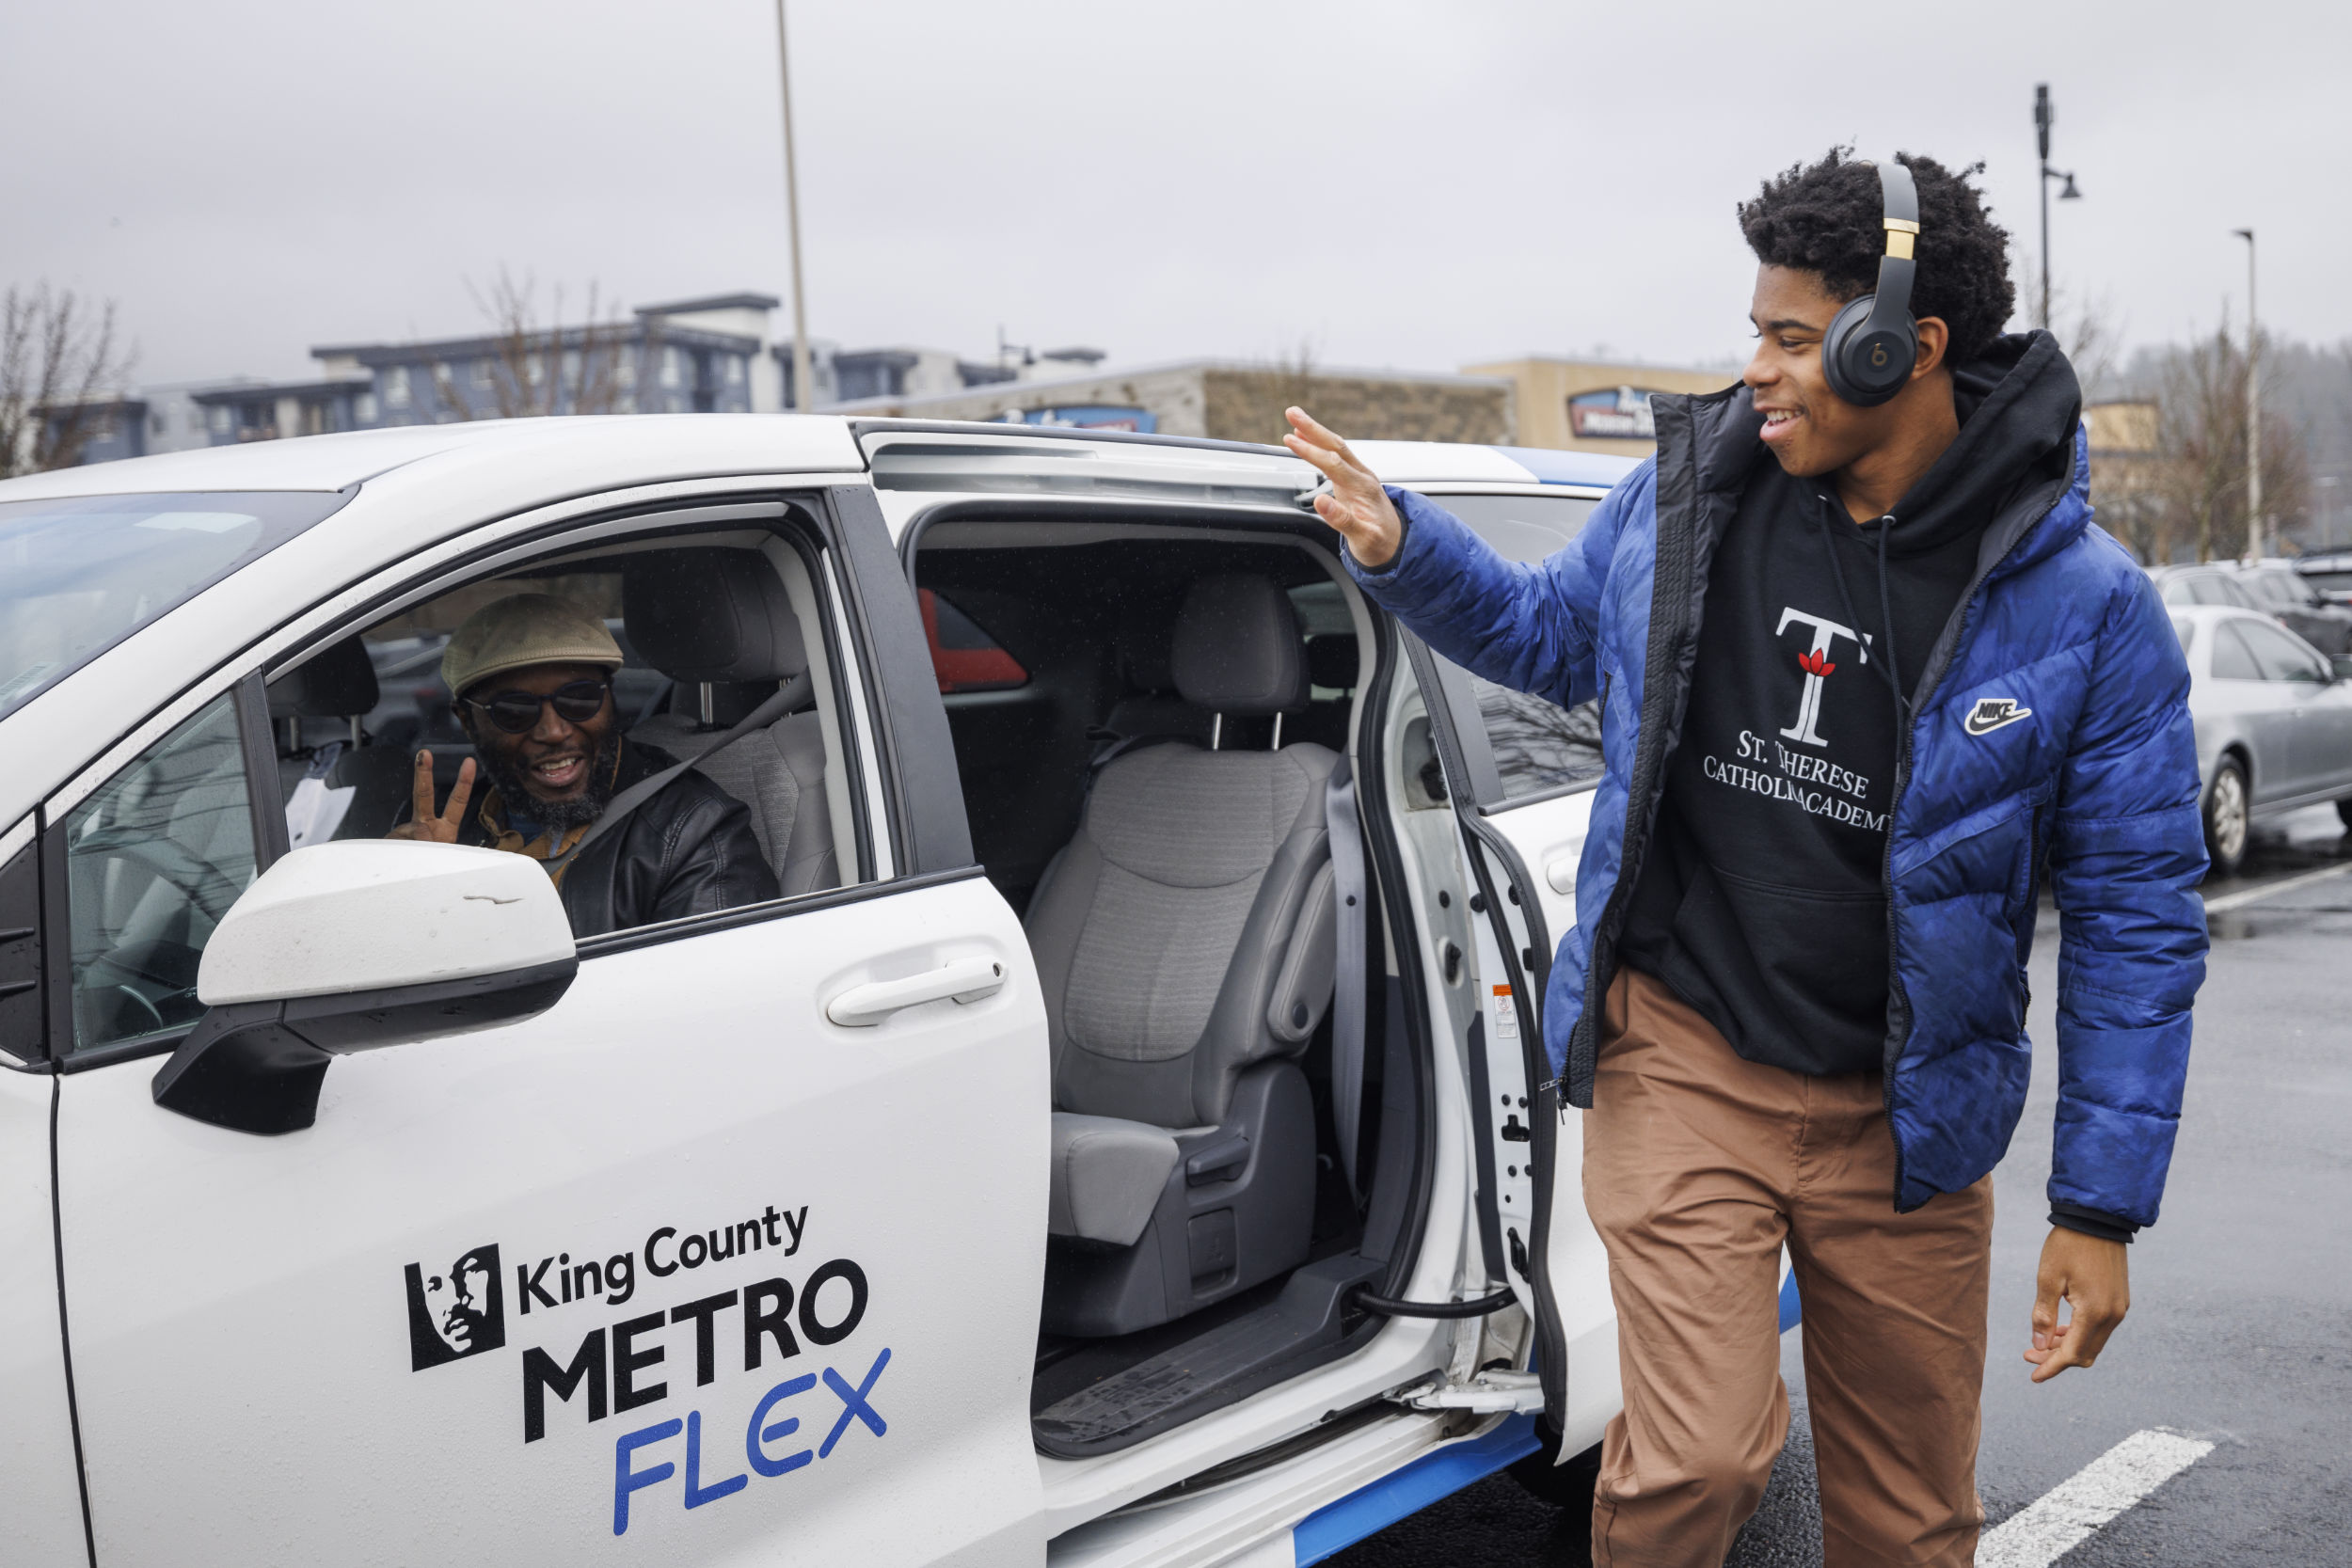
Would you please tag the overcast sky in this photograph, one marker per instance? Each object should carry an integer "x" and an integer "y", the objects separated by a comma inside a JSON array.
[{"x": 1421, "y": 185}]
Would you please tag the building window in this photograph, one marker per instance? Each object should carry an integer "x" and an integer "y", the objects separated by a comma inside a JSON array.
[
  {"x": 223, "y": 421},
  {"x": 396, "y": 386},
  {"x": 363, "y": 408},
  {"x": 673, "y": 367},
  {"x": 481, "y": 372},
  {"x": 735, "y": 369}
]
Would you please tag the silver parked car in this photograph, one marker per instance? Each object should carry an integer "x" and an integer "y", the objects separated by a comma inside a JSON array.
[
  {"x": 2274, "y": 722},
  {"x": 2331, "y": 574},
  {"x": 2276, "y": 588}
]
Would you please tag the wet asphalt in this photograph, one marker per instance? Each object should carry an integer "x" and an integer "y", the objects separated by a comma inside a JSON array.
[{"x": 2240, "y": 1331}]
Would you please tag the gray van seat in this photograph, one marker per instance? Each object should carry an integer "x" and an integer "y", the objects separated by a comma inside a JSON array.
[
  {"x": 1185, "y": 940},
  {"x": 721, "y": 617},
  {"x": 328, "y": 691}
]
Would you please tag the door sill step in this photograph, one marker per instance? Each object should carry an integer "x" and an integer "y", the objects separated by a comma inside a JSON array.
[{"x": 1227, "y": 1364}]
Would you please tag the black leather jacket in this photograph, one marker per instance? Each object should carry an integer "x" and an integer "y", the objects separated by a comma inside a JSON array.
[{"x": 687, "y": 850}]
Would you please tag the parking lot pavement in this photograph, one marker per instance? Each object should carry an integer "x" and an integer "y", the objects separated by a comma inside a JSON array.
[{"x": 2239, "y": 1334}]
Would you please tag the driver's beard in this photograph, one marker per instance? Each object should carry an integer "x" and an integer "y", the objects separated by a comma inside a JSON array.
[{"x": 560, "y": 816}]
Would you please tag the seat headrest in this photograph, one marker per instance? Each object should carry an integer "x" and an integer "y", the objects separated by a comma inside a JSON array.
[
  {"x": 712, "y": 615},
  {"x": 1331, "y": 660},
  {"x": 336, "y": 682},
  {"x": 1238, "y": 648}
]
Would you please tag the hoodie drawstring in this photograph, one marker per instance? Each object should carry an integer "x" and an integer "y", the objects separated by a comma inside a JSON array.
[{"x": 1889, "y": 665}]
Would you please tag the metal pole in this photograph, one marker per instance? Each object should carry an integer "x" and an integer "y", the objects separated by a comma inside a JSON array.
[
  {"x": 804, "y": 382},
  {"x": 2043, "y": 115},
  {"x": 2255, "y": 530}
]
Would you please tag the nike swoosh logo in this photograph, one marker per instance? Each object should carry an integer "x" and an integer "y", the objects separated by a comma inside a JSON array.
[{"x": 1992, "y": 715}]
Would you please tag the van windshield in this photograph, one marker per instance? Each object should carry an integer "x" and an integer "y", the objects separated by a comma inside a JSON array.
[{"x": 77, "y": 575}]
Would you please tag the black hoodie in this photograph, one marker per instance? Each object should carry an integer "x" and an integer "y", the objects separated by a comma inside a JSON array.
[{"x": 1762, "y": 902}]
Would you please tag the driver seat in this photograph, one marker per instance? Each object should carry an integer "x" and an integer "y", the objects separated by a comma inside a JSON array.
[
  {"x": 1185, "y": 940},
  {"x": 720, "y": 618}
]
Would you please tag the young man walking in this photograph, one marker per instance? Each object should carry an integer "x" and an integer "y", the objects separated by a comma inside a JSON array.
[{"x": 1866, "y": 667}]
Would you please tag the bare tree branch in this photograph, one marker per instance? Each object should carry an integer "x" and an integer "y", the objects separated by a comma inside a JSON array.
[
  {"x": 57, "y": 369},
  {"x": 538, "y": 368},
  {"x": 2201, "y": 389}
]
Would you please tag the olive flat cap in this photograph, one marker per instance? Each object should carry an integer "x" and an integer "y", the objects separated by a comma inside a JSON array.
[{"x": 525, "y": 629}]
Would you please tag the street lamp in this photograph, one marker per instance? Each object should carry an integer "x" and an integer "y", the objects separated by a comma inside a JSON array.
[
  {"x": 2253, "y": 412},
  {"x": 2043, "y": 115},
  {"x": 804, "y": 381}
]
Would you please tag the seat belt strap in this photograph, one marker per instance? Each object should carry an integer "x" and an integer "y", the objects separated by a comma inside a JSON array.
[
  {"x": 1347, "y": 999},
  {"x": 790, "y": 696}
]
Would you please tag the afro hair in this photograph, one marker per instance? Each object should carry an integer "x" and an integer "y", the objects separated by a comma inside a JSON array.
[{"x": 1829, "y": 219}]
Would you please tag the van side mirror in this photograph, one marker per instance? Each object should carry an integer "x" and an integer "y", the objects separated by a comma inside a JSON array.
[{"x": 356, "y": 943}]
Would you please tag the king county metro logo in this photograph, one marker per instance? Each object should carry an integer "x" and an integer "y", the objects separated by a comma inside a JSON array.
[{"x": 455, "y": 1314}]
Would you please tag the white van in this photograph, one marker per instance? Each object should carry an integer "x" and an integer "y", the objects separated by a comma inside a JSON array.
[{"x": 1125, "y": 1141}]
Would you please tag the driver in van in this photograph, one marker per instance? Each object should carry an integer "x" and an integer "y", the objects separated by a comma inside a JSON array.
[{"x": 532, "y": 675}]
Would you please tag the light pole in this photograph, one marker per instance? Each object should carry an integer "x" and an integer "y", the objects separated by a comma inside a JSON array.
[
  {"x": 804, "y": 382},
  {"x": 2043, "y": 115},
  {"x": 2253, "y": 411}
]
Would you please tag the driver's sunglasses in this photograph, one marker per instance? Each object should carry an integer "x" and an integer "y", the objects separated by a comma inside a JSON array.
[{"x": 518, "y": 712}]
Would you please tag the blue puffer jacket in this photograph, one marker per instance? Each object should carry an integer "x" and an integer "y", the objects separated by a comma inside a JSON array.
[{"x": 2100, "y": 781}]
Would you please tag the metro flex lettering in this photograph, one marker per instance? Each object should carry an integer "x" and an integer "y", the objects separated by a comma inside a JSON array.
[{"x": 758, "y": 1433}]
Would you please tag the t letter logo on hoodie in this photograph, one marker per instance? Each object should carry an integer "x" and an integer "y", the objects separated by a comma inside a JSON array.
[{"x": 1817, "y": 667}]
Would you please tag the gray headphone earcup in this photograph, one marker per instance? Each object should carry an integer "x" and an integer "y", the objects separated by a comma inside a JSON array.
[
  {"x": 1842, "y": 328},
  {"x": 1848, "y": 348}
]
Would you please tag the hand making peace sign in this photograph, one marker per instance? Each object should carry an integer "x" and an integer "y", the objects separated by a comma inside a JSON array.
[{"x": 427, "y": 825}]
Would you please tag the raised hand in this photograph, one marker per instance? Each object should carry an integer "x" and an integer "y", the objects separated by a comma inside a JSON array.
[
  {"x": 425, "y": 823},
  {"x": 1355, "y": 505}
]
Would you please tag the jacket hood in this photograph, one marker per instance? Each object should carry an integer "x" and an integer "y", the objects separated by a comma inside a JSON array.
[{"x": 2019, "y": 404}]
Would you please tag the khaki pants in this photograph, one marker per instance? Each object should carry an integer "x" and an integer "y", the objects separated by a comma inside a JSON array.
[{"x": 1699, "y": 1167}]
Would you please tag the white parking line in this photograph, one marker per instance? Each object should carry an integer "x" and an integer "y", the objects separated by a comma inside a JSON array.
[
  {"x": 2237, "y": 900},
  {"x": 2064, "y": 1518}
]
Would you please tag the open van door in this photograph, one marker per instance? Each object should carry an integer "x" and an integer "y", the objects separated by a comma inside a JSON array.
[{"x": 1519, "y": 776}]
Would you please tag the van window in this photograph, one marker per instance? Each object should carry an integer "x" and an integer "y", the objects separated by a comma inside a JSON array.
[
  {"x": 78, "y": 576},
  {"x": 154, "y": 859},
  {"x": 1538, "y": 746},
  {"x": 964, "y": 658}
]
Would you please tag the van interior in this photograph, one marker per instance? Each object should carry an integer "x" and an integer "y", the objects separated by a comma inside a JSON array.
[{"x": 1147, "y": 717}]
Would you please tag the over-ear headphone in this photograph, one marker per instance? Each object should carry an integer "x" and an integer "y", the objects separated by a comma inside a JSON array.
[{"x": 1873, "y": 343}]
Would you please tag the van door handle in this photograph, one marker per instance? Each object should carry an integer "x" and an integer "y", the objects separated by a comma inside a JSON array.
[
  {"x": 965, "y": 980},
  {"x": 1560, "y": 868}
]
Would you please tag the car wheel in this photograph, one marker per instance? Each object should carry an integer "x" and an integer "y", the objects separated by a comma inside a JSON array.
[
  {"x": 2225, "y": 819},
  {"x": 2344, "y": 812}
]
